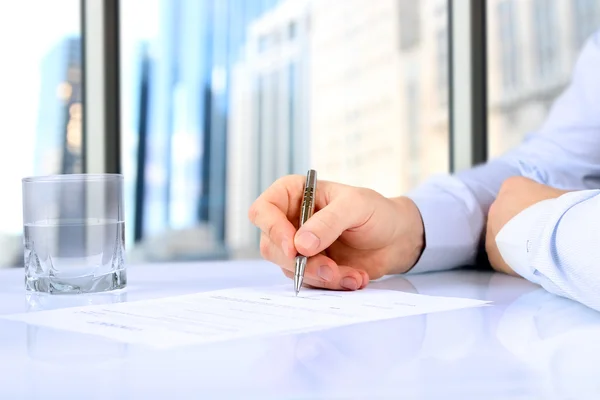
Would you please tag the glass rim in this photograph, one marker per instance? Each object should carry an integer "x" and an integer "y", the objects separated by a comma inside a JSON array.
[{"x": 72, "y": 178}]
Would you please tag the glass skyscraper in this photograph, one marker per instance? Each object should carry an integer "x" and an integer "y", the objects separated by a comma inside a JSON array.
[{"x": 185, "y": 125}]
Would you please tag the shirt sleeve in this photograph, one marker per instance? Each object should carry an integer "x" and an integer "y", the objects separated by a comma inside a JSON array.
[
  {"x": 554, "y": 243},
  {"x": 563, "y": 153}
]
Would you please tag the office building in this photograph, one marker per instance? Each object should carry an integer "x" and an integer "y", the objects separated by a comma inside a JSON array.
[
  {"x": 268, "y": 121},
  {"x": 59, "y": 130},
  {"x": 181, "y": 180},
  {"x": 424, "y": 89},
  {"x": 532, "y": 49},
  {"x": 379, "y": 114}
]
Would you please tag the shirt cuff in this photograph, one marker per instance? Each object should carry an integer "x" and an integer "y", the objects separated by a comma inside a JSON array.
[
  {"x": 519, "y": 236},
  {"x": 452, "y": 221}
]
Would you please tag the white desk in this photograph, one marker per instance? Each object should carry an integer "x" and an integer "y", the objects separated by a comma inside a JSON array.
[{"x": 527, "y": 345}]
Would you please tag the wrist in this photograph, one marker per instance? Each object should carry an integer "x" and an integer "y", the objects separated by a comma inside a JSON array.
[{"x": 409, "y": 237}]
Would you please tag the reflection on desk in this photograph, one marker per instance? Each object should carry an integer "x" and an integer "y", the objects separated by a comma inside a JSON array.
[
  {"x": 527, "y": 344},
  {"x": 558, "y": 338}
]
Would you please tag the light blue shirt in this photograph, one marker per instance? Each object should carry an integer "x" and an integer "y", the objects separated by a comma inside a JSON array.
[{"x": 562, "y": 244}]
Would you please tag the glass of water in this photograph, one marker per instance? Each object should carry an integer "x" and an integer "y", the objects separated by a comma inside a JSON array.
[{"x": 74, "y": 235}]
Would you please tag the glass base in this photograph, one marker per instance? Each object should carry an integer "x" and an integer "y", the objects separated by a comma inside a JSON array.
[{"x": 114, "y": 280}]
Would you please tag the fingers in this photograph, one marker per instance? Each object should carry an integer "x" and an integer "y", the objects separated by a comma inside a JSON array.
[
  {"x": 273, "y": 253},
  {"x": 339, "y": 209},
  {"x": 347, "y": 211},
  {"x": 347, "y": 279},
  {"x": 275, "y": 208},
  {"x": 275, "y": 227},
  {"x": 321, "y": 271}
]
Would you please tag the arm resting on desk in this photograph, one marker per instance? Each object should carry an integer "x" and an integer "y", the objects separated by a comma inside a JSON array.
[
  {"x": 564, "y": 153},
  {"x": 555, "y": 243}
]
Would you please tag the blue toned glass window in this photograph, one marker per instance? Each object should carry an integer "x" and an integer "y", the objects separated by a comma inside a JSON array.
[
  {"x": 178, "y": 152},
  {"x": 41, "y": 123},
  {"x": 222, "y": 97}
]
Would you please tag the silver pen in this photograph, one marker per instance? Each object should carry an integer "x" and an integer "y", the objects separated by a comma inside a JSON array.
[{"x": 306, "y": 211}]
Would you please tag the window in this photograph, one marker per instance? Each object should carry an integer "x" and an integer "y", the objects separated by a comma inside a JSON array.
[
  {"x": 240, "y": 93},
  {"x": 508, "y": 43},
  {"x": 409, "y": 25},
  {"x": 292, "y": 30},
  {"x": 42, "y": 123},
  {"x": 545, "y": 62},
  {"x": 586, "y": 19},
  {"x": 544, "y": 23},
  {"x": 412, "y": 129},
  {"x": 442, "y": 65}
]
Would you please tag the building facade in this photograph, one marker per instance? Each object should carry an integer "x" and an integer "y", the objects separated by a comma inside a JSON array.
[
  {"x": 59, "y": 138},
  {"x": 268, "y": 134},
  {"x": 379, "y": 113},
  {"x": 532, "y": 49}
]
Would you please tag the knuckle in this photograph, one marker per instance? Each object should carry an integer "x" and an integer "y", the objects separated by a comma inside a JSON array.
[
  {"x": 288, "y": 180},
  {"x": 365, "y": 198},
  {"x": 367, "y": 193},
  {"x": 328, "y": 220},
  {"x": 282, "y": 180},
  {"x": 270, "y": 232},
  {"x": 253, "y": 213},
  {"x": 265, "y": 224},
  {"x": 265, "y": 248},
  {"x": 362, "y": 195}
]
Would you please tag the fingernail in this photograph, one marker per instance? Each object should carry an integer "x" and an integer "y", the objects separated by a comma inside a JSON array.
[
  {"x": 325, "y": 272},
  {"x": 285, "y": 245},
  {"x": 308, "y": 241},
  {"x": 349, "y": 283}
]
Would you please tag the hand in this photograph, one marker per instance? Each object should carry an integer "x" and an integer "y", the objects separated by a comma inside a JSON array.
[
  {"x": 515, "y": 195},
  {"x": 354, "y": 236}
]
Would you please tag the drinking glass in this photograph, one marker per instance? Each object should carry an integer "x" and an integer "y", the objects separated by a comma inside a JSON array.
[{"x": 74, "y": 239}]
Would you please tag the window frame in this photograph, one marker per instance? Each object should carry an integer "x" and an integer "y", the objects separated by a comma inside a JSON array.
[
  {"x": 101, "y": 130},
  {"x": 467, "y": 49},
  {"x": 467, "y": 85}
]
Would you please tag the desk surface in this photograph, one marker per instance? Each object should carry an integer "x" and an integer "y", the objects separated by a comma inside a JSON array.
[{"x": 528, "y": 344}]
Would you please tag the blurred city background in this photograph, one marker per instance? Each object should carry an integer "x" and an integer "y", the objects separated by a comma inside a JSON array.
[{"x": 219, "y": 98}]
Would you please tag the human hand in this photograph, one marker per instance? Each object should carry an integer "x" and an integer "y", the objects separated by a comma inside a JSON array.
[
  {"x": 515, "y": 195},
  {"x": 355, "y": 234}
]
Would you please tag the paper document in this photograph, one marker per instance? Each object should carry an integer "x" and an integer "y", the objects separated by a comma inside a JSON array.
[{"x": 237, "y": 313}]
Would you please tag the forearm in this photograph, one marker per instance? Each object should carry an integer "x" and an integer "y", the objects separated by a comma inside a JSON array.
[
  {"x": 564, "y": 153},
  {"x": 453, "y": 210},
  {"x": 554, "y": 243}
]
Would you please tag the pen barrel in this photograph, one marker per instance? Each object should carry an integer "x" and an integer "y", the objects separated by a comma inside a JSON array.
[
  {"x": 308, "y": 200},
  {"x": 311, "y": 179},
  {"x": 308, "y": 206}
]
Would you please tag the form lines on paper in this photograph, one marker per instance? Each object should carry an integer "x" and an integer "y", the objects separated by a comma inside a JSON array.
[{"x": 232, "y": 314}]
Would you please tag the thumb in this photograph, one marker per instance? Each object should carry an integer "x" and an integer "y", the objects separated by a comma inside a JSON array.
[{"x": 326, "y": 225}]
